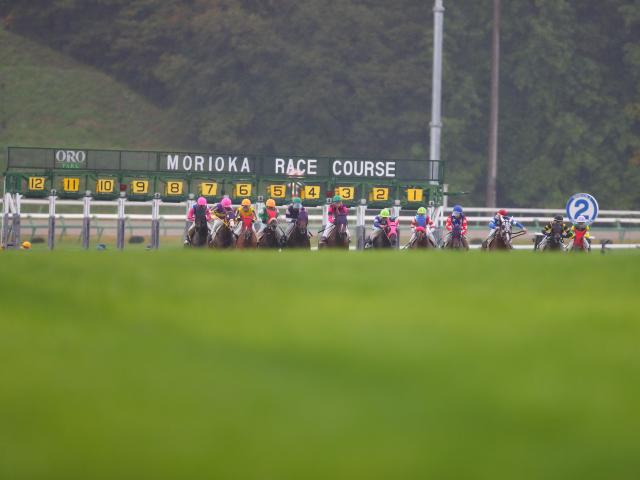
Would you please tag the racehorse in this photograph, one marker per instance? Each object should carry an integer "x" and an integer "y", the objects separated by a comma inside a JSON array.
[
  {"x": 388, "y": 238},
  {"x": 299, "y": 235},
  {"x": 337, "y": 236},
  {"x": 421, "y": 239},
  {"x": 553, "y": 240},
  {"x": 456, "y": 242},
  {"x": 200, "y": 236},
  {"x": 502, "y": 238},
  {"x": 247, "y": 237},
  {"x": 269, "y": 237},
  {"x": 223, "y": 236}
]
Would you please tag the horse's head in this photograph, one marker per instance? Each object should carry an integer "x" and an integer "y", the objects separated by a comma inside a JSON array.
[
  {"x": 201, "y": 223},
  {"x": 302, "y": 222},
  {"x": 505, "y": 231},
  {"x": 392, "y": 230},
  {"x": 271, "y": 225},
  {"x": 556, "y": 233}
]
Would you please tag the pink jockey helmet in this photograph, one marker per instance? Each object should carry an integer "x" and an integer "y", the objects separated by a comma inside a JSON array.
[
  {"x": 225, "y": 202},
  {"x": 202, "y": 201}
]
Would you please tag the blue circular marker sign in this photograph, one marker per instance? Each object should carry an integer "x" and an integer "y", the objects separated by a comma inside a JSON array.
[{"x": 582, "y": 204}]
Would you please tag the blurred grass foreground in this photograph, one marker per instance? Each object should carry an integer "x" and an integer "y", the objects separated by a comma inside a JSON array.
[{"x": 259, "y": 365}]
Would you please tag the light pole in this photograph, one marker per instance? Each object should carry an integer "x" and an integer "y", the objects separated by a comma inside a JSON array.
[
  {"x": 492, "y": 170},
  {"x": 436, "y": 89}
]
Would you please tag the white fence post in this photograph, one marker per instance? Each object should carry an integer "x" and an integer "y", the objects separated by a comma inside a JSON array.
[
  {"x": 121, "y": 221},
  {"x": 361, "y": 211},
  {"x": 155, "y": 221},
  {"x": 190, "y": 203},
  {"x": 396, "y": 214},
  {"x": 51, "y": 233},
  {"x": 86, "y": 220},
  {"x": 5, "y": 219},
  {"x": 17, "y": 217}
]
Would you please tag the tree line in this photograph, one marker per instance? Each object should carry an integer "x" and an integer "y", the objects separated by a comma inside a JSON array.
[{"x": 352, "y": 77}]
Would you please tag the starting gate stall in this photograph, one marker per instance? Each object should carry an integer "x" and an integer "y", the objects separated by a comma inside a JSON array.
[{"x": 180, "y": 177}]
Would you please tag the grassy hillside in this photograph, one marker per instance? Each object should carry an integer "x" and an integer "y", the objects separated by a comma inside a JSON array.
[
  {"x": 261, "y": 365},
  {"x": 48, "y": 99}
]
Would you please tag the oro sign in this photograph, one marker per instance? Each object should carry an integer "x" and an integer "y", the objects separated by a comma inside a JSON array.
[
  {"x": 582, "y": 204},
  {"x": 70, "y": 158}
]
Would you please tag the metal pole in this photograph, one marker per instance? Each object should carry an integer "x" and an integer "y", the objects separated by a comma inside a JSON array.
[
  {"x": 4, "y": 214},
  {"x": 86, "y": 221},
  {"x": 190, "y": 203},
  {"x": 361, "y": 211},
  {"x": 121, "y": 221},
  {"x": 155, "y": 221},
  {"x": 16, "y": 222},
  {"x": 325, "y": 215},
  {"x": 492, "y": 171},
  {"x": 51, "y": 234},
  {"x": 436, "y": 88},
  {"x": 5, "y": 219},
  {"x": 396, "y": 214}
]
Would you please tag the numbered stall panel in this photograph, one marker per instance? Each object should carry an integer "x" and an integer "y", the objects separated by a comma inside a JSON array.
[
  {"x": 313, "y": 193},
  {"x": 35, "y": 186},
  {"x": 277, "y": 191},
  {"x": 349, "y": 193},
  {"x": 106, "y": 187},
  {"x": 70, "y": 186},
  {"x": 241, "y": 189},
  {"x": 414, "y": 195},
  {"x": 205, "y": 187},
  {"x": 172, "y": 190},
  {"x": 139, "y": 187},
  {"x": 379, "y": 195}
]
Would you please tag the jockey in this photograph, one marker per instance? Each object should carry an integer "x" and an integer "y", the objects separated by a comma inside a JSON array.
[
  {"x": 558, "y": 220},
  {"x": 556, "y": 224},
  {"x": 457, "y": 218},
  {"x": 270, "y": 214},
  {"x": 221, "y": 212},
  {"x": 580, "y": 231},
  {"x": 292, "y": 213},
  {"x": 422, "y": 220},
  {"x": 501, "y": 216},
  {"x": 336, "y": 209},
  {"x": 198, "y": 211},
  {"x": 379, "y": 222},
  {"x": 244, "y": 213}
]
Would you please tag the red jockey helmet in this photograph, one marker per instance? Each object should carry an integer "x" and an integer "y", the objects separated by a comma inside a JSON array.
[{"x": 503, "y": 212}]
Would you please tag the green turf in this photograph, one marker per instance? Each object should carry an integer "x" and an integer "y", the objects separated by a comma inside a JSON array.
[{"x": 254, "y": 365}]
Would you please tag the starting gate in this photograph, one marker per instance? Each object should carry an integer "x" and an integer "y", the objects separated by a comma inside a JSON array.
[{"x": 178, "y": 176}]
